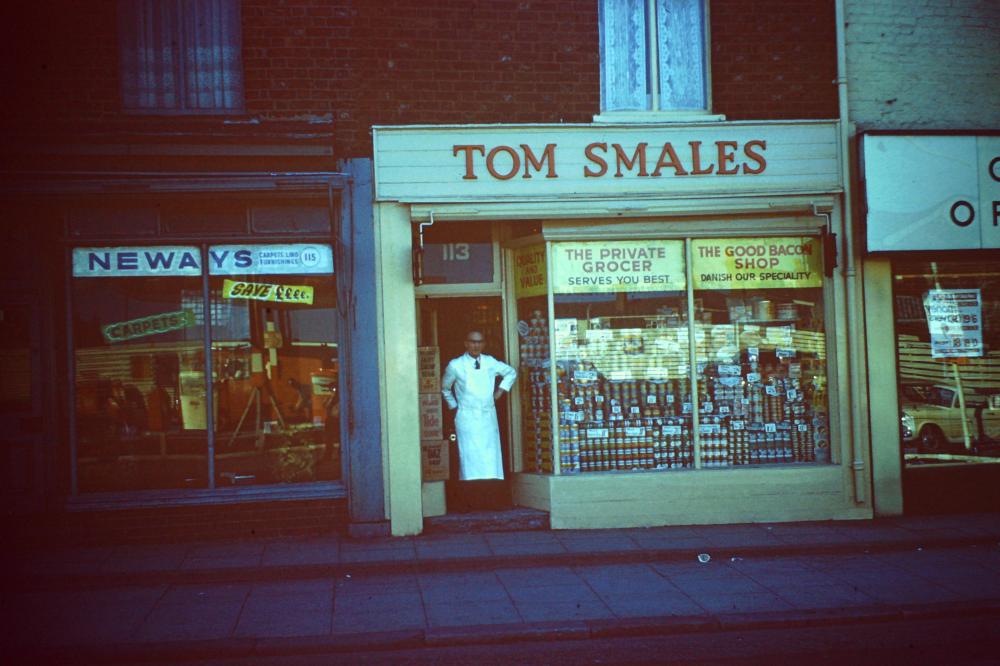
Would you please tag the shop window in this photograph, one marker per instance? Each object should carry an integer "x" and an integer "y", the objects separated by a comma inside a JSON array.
[
  {"x": 180, "y": 56},
  {"x": 653, "y": 55},
  {"x": 948, "y": 345},
  {"x": 274, "y": 351},
  {"x": 140, "y": 378},
  {"x": 141, "y": 385},
  {"x": 652, "y": 370}
]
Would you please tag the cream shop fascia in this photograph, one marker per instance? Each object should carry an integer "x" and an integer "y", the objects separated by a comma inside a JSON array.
[{"x": 671, "y": 299}]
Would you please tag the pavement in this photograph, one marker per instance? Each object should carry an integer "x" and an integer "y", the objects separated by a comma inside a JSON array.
[{"x": 334, "y": 594}]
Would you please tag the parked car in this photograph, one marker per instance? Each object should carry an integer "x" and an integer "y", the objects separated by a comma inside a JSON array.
[{"x": 931, "y": 417}]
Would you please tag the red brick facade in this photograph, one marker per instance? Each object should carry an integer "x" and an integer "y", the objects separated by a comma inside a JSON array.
[{"x": 341, "y": 66}]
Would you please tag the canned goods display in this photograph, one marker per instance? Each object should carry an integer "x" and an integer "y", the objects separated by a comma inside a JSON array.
[{"x": 627, "y": 399}]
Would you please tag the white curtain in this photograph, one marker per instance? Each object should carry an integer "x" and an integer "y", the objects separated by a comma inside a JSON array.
[
  {"x": 624, "y": 79},
  {"x": 181, "y": 55},
  {"x": 681, "y": 37},
  {"x": 680, "y": 52}
]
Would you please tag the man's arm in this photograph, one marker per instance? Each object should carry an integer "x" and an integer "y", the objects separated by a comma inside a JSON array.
[
  {"x": 447, "y": 386},
  {"x": 507, "y": 374}
]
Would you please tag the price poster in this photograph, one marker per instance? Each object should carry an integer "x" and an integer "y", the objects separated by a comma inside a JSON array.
[{"x": 955, "y": 322}]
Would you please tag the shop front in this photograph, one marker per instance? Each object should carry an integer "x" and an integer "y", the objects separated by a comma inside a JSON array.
[
  {"x": 933, "y": 243},
  {"x": 204, "y": 344},
  {"x": 670, "y": 296}
]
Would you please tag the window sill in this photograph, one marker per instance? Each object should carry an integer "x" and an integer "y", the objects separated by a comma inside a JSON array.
[{"x": 616, "y": 117}]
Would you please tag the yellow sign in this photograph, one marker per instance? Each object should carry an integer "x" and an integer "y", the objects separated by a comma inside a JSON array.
[
  {"x": 529, "y": 271},
  {"x": 260, "y": 291},
  {"x": 613, "y": 266},
  {"x": 791, "y": 262}
]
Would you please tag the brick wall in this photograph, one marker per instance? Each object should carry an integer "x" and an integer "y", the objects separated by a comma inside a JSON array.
[
  {"x": 348, "y": 64},
  {"x": 774, "y": 59},
  {"x": 412, "y": 61},
  {"x": 924, "y": 64}
]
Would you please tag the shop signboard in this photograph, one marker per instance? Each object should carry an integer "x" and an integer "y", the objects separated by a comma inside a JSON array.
[
  {"x": 136, "y": 261},
  {"x": 277, "y": 259},
  {"x": 955, "y": 322},
  {"x": 184, "y": 260},
  {"x": 529, "y": 272},
  {"x": 548, "y": 162},
  {"x": 618, "y": 266},
  {"x": 932, "y": 192},
  {"x": 786, "y": 262}
]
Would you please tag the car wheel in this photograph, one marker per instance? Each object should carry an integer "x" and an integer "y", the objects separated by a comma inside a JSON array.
[{"x": 932, "y": 440}]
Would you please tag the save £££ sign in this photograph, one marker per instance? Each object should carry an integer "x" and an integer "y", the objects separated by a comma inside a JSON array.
[{"x": 275, "y": 293}]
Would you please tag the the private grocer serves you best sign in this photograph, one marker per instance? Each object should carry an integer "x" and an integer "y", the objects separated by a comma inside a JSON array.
[{"x": 615, "y": 266}]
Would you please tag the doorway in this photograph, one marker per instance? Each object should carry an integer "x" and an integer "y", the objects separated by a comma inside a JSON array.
[{"x": 444, "y": 321}]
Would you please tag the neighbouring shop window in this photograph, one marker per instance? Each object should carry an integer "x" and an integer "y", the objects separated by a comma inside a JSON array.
[
  {"x": 656, "y": 371},
  {"x": 142, "y": 392},
  {"x": 948, "y": 345},
  {"x": 140, "y": 369},
  {"x": 180, "y": 56},
  {"x": 274, "y": 351},
  {"x": 653, "y": 55}
]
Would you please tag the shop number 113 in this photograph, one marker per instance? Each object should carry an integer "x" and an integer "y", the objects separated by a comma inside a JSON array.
[{"x": 455, "y": 252}]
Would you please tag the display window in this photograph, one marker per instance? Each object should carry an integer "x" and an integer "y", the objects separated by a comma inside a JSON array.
[
  {"x": 274, "y": 359},
  {"x": 671, "y": 354},
  {"x": 947, "y": 316},
  {"x": 139, "y": 357},
  {"x": 142, "y": 390}
]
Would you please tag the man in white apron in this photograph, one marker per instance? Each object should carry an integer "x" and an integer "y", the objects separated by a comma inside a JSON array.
[{"x": 469, "y": 385}]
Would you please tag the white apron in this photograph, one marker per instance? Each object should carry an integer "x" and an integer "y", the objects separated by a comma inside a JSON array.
[{"x": 471, "y": 391}]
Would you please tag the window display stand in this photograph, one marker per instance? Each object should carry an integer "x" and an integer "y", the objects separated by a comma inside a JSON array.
[{"x": 253, "y": 401}]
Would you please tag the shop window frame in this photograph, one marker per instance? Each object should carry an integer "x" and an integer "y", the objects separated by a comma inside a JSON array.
[
  {"x": 686, "y": 232},
  {"x": 212, "y": 489},
  {"x": 491, "y": 288},
  {"x": 908, "y": 265}
]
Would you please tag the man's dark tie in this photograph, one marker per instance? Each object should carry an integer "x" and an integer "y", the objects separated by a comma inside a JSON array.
[{"x": 477, "y": 364}]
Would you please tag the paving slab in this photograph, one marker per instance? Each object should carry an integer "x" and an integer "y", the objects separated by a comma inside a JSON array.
[{"x": 286, "y": 615}]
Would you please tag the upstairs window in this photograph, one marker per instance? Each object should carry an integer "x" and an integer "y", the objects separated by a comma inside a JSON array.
[
  {"x": 180, "y": 56},
  {"x": 654, "y": 56}
]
